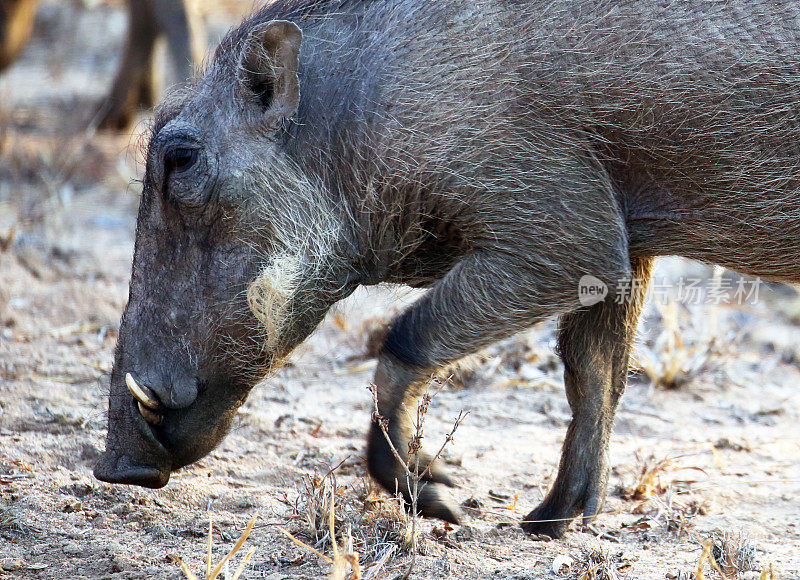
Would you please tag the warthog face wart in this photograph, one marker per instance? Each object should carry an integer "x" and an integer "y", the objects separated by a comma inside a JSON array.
[{"x": 226, "y": 234}]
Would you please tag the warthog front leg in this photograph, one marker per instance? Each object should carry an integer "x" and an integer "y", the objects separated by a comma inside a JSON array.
[
  {"x": 400, "y": 387},
  {"x": 484, "y": 298},
  {"x": 595, "y": 345}
]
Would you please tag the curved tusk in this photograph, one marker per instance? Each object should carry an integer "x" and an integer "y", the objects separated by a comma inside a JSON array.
[
  {"x": 142, "y": 394},
  {"x": 150, "y": 416}
]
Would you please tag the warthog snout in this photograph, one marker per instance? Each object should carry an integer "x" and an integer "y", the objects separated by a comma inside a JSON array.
[
  {"x": 157, "y": 426},
  {"x": 134, "y": 454}
]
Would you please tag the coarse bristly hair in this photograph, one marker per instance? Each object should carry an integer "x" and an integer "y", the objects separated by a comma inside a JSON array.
[
  {"x": 506, "y": 118},
  {"x": 498, "y": 152}
]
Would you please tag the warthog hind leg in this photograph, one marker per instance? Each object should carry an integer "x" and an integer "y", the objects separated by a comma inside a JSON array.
[{"x": 595, "y": 345}]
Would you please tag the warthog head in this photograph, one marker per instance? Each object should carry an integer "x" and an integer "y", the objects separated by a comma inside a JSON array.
[{"x": 237, "y": 259}]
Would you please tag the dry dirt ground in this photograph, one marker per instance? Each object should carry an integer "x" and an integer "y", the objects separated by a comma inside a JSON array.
[{"x": 706, "y": 447}]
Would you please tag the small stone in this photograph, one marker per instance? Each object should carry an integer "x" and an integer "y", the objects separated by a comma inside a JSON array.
[
  {"x": 472, "y": 503},
  {"x": 498, "y": 495},
  {"x": 72, "y": 549},
  {"x": 121, "y": 509},
  {"x": 726, "y": 443},
  {"x": 121, "y": 563},
  {"x": 11, "y": 564},
  {"x": 73, "y": 506},
  {"x": 37, "y": 566},
  {"x": 466, "y": 533},
  {"x": 440, "y": 532},
  {"x": 560, "y": 562},
  {"x": 100, "y": 522},
  {"x": 158, "y": 531},
  {"x": 82, "y": 489}
]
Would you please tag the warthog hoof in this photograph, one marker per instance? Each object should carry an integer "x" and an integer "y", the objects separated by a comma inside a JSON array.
[
  {"x": 387, "y": 471},
  {"x": 554, "y": 515}
]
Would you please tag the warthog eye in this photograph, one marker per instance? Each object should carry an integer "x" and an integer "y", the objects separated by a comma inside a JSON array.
[
  {"x": 186, "y": 172},
  {"x": 179, "y": 159}
]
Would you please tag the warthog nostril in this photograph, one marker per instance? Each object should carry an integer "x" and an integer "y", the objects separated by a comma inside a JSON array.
[{"x": 146, "y": 400}]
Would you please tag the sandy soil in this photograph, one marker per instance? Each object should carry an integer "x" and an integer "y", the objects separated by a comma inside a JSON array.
[{"x": 716, "y": 458}]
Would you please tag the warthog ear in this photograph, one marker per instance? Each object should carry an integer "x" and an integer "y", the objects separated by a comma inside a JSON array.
[{"x": 267, "y": 72}]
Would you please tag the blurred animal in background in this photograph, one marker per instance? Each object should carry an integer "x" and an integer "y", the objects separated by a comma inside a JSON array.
[
  {"x": 16, "y": 24},
  {"x": 137, "y": 80},
  {"x": 136, "y": 84}
]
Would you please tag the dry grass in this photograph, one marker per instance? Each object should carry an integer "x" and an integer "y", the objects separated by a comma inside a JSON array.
[
  {"x": 654, "y": 477},
  {"x": 671, "y": 362},
  {"x": 600, "y": 564},
  {"x": 222, "y": 567},
  {"x": 376, "y": 525},
  {"x": 662, "y": 488},
  {"x": 648, "y": 477},
  {"x": 411, "y": 465},
  {"x": 735, "y": 553},
  {"x": 6, "y": 240},
  {"x": 346, "y": 560},
  {"x": 12, "y": 520},
  {"x": 727, "y": 556}
]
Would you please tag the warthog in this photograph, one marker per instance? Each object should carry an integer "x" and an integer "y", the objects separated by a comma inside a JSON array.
[{"x": 496, "y": 152}]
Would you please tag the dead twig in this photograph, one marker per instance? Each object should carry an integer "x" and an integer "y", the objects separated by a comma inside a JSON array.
[{"x": 411, "y": 465}]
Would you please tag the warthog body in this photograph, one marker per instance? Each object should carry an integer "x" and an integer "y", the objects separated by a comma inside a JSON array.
[{"x": 494, "y": 151}]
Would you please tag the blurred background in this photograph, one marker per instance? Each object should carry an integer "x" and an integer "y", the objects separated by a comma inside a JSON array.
[{"x": 706, "y": 447}]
